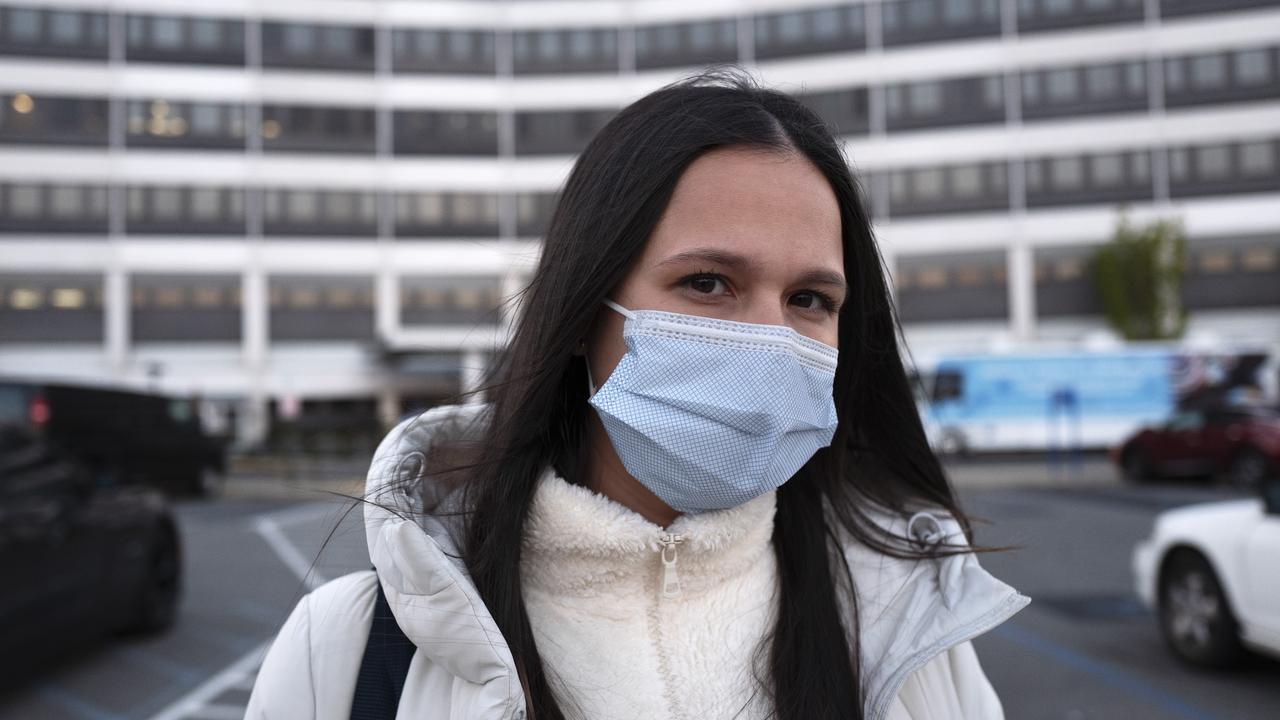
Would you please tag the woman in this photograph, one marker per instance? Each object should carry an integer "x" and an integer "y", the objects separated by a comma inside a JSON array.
[{"x": 700, "y": 488}]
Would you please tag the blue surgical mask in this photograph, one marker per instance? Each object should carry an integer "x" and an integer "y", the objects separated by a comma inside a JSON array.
[{"x": 709, "y": 414}]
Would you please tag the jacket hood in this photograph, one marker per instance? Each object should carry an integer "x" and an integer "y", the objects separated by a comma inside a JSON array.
[
  {"x": 908, "y": 610},
  {"x": 426, "y": 584}
]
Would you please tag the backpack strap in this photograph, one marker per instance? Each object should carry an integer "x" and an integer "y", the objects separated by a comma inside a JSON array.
[{"x": 385, "y": 665}]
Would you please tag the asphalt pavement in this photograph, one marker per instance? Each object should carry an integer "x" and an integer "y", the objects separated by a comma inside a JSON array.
[{"x": 1083, "y": 650}]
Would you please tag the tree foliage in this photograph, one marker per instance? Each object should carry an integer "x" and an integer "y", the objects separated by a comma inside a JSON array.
[{"x": 1139, "y": 277}]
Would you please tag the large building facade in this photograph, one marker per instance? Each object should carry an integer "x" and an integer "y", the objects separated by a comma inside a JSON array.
[{"x": 320, "y": 205}]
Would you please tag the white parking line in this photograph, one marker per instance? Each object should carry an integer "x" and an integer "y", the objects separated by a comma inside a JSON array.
[
  {"x": 244, "y": 684},
  {"x": 188, "y": 705},
  {"x": 197, "y": 704},
  {"x": 218, "y": 711},
  {"x": 288, "y": 553}
]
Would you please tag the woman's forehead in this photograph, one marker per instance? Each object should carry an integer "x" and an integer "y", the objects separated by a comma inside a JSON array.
[{"x": 763, "y": 203}]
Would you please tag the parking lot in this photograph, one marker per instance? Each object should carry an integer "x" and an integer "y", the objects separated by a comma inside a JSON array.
[{"x": 1084, "y": 648}]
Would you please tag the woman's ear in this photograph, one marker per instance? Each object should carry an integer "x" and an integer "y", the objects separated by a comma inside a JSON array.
[{"x": 581, "y": 347}]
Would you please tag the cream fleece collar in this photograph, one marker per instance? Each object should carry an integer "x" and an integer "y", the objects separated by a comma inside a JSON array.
[{"x": 578, "y": 542}]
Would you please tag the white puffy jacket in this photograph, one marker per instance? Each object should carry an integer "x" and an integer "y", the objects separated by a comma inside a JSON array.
[{"x": 916, "y": 617}]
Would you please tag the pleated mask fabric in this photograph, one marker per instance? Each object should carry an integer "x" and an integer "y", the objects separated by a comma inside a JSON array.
[{"x": 709, "y": 414}]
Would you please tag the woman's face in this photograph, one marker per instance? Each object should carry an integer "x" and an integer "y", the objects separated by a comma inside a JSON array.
[{"x": 749, "y": 235}]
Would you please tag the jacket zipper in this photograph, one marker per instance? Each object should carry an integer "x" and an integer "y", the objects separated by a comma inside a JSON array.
[
  {"x": 668, "y": 590},
  {"x": 670, "y": 576}
]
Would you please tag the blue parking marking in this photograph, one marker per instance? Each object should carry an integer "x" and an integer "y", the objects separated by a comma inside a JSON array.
[
  {"x": 74, "y": 704},
  {"x": 1105, "y": 672}
]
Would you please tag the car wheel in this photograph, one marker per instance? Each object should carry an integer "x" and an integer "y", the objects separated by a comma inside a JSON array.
[
  {"x": 1135, "y": 466},
  {"x": 1248, "y": 470},
  {"x": 156, "y": 605},
  {"x": 1195, "y": 619}
]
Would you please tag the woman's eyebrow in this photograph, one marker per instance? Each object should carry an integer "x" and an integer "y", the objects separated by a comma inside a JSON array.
[
  {"x": 816, "y": 276},
  {"x": 713, "y": 255},
  {"x": 823, "y": 277}
]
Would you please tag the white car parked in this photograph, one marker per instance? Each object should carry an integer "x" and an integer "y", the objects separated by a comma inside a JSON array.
[{"x": 1212, "y": 574}]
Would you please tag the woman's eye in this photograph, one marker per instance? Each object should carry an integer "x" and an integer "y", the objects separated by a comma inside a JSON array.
[
  {"x": 807, "y": 300},
  {"x": 707, "y": 284},
  {"x": 813, "y": 301}
]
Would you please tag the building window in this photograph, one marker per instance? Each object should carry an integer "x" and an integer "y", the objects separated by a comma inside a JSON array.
[
  {"x": 321, "y": 213},
  {"x": 846, "y": 111},
  {"x": 940, "y": 103},
  {"x": 318, "y": 308},
  {"x": 25, "y": 201},
  {"x": 1258, "y": 159},
  {"x": 185, "y": 211},
  {"x": 1063, "y": 284},
  {"x": 443, "y": 51},
  {"x": 157, "y": 38},
  {"x": 1106, "y": 170},
  {"x": 1242, "y": 75},
  {"x": 1067, "y": 173},
  {"x": 924, "y": 98},
  {"x": 558, "y": 131},
  {"x": 1102, "y": 81},
  {"x": 915, "y": 21},
  {"x": 185, "y": 308},
  {"x": 1089, "y": 89},
  {"x": 947, "y": 287},
  {"x": 51, "y": 308},
  {"x": 452, "y": 300},
  {"x": 1264, "y": 258},
  {"x": 1232, "y": 272},
  {"x": 309, "y": 128},
  {"x": 425, "y": 208},
  {"x": 559, "y": 51},
  {"x": 24, "y": 24},
  {"x": 948, "y": 189},
  {"x": 698, "y": 43},
  {"x": 33, "y": 118},
  {"x": 1253, "y": 67},
  {"x": 1177, "y": 8},
  {"x": 533, "y": 213},
  {"x": 164, "y": 123},
  {"x": 1041, "y": 15},
  {"x": 321, "y": 47},
  {"x": 1224, "y": 169},
  {"x": 1086, "y": 179},
  {"x": 45, "y": 208},
  {"x": 1213, "y": 162},
  {"x": 1061, "y": 85},
  {"x": 53, "y": 33},
  {"x": 1208, "y": 72},
  {"x": 445, "y": 132}
]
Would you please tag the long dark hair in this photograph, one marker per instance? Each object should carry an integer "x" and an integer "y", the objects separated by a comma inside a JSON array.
[{"x": 610, "y": 204}]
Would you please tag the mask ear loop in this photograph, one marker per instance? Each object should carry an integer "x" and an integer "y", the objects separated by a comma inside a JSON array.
[
  {"x": 591, "y": 383},
  {"x": 619, "y": 309}
]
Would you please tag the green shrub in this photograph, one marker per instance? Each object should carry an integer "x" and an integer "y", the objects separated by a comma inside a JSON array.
[{"x": 1139, "y": 277}]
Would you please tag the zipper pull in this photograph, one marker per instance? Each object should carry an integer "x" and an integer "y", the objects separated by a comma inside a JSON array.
[{"x": 670, "y": 579}]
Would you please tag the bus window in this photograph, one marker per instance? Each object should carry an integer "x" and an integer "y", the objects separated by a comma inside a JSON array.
[{"x": 948, "y": 385}]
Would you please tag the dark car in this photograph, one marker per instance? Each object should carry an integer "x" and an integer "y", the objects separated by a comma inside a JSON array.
[
  {"x": 78, "y": 558},
  {"x": 1243, "y": 443},
  {"x": 124, "y": 435}
]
